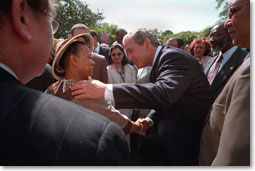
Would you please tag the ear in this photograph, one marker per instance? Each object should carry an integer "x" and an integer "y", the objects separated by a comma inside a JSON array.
[
  {"x": 20, "y": 16},
  {"x": 73, "y": 60},
  {"x": 147, "y": 42}
]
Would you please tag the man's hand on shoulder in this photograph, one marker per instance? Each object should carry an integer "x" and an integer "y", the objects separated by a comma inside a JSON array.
[{"x": 92, "y": 89}]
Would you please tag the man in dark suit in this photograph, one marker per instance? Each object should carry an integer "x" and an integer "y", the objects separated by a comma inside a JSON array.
[
  {"x": 36, "y": 128},
  {"x": 98, "y": 48},
  {"x": 229, "y": 58},
  {"x": 179, "y": 93}
]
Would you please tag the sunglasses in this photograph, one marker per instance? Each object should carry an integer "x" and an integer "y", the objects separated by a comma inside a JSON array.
[
  {"x": 116, "y": 54},
  {"x": 235, "y": 9}
]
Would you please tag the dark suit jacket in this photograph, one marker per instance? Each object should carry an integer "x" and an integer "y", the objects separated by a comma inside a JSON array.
[
  {"x": 43, "y": 81},
  {"x": 227, "y": 70},
  {"x": 105, "y": 52},
  {"x": 40, "y": 129},
  {"x": 180, "y": 94},
  {"x": 100, "y": 71}
]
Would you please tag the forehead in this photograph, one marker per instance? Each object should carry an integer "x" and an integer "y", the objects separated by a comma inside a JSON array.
[
  {"x": 235, "y": 2},
  {"x": 129, "y": 43},
  {"x": 217, "y": 28},
  {"x": 82, "y": 48},
  {"x": 116, "y": 49},
  {"x": 199, "y": 44},
  {"x": 80, "y": 31},
  {"x": 173, "y": 41}
]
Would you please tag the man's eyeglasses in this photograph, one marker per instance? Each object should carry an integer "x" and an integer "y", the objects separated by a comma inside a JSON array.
[
  {"x": 116, "y": 54},
  {"x": 234, "y": 9},
  {"x": 55, "y": 25}
]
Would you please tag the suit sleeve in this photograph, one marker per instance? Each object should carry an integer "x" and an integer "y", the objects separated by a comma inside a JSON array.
[
  {"x": 112, "y": 146},
  {"x": 234, "y": 145},
  {"x": 174, "y": 76},
  {"x": 104, "y": 71}
]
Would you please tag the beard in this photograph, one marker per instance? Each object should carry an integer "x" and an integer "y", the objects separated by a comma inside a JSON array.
[{"x": 220, "y": 46}]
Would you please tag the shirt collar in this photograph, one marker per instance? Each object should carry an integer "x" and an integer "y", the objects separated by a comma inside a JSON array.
[
  {"x": 7, "y": 69},
  {"x": 97, "y": 49},
  {"x": 156, "y": 54}
]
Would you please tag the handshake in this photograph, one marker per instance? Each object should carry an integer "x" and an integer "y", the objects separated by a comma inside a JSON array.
[{"x": 140, "y": 126}]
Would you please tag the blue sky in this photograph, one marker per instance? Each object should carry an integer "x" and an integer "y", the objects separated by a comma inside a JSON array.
[{"x": 174, "y": 15}]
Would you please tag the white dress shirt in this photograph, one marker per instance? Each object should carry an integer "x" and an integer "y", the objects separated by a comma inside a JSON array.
[
  {"x": 226, "y": 56},
  {"x": 97, "y": 49},
  {"x": 108, "y": 94}
]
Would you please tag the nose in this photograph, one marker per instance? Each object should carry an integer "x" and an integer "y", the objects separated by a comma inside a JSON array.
[
  {"x": 92, "y": 62},
  {"x": 227, "y": 23}
]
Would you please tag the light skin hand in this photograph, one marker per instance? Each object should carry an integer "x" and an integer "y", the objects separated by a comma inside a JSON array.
[
  {"x": 146, "y": 126},
  {"x": 92, "y": 89}
]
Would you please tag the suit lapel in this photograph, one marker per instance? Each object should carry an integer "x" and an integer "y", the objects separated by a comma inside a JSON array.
[
  {"x": 235, "y": 60},
  {"x": 154, "y": 70},
  {"x": 208, "y": 67}
]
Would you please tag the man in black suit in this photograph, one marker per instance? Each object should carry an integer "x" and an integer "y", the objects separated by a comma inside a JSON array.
[
  {"x": 231, "y": 58},
  {"x": 98, "y": 48},
  {"x": 36, "y": 128},
  {"x": 179, "y": 93}
]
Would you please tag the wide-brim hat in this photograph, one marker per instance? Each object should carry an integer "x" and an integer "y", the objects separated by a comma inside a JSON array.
[{"x": 58, "y": 72}]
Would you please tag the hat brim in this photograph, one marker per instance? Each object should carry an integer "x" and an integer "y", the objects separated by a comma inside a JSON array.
[{"x": 58, "y": 72}]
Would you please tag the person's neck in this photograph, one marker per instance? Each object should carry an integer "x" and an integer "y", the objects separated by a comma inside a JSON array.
[
  {"x": 199, "y": 57},
  {"x": 95, "y": 45},
  {"x": 225, "y": 49},
  {"x": 73, "y": 76},
  {"x": 119, "y": 65}
]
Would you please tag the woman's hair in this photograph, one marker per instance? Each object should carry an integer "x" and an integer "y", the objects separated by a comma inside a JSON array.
[
  {"x": 72, "y": 49},
  {"x": 120, "y": 47},
  {"x": 200, "y": 40}
]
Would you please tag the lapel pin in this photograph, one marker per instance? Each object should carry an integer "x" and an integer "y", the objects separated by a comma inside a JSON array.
[{"x": 231, "y": 68}]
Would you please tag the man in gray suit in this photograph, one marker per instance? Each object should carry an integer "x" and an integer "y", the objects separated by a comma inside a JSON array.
[
  {"x": 36, "y": 128},
  {"x": 229, "y": 59}
]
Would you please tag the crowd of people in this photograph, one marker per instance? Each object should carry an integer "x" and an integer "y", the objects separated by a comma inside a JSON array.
[{"x": 139, "y": 101}]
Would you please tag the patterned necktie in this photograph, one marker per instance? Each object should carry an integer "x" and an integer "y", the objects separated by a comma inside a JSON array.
[{"x": 214, "y": 72}]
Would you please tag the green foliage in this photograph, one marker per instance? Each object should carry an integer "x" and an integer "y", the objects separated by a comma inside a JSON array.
[
  {"x": 224, "y": 13},
  {"x": 73, "y": 12},
  {"x": 105, "y": 28}
]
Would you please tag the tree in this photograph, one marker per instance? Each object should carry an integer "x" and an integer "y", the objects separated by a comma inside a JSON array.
[
  {"x": 73, "y": 12},
  {"x": 105, "y": 29},
  {"x": 224, "y": 13},
  {"x": 206, "y": 32}
]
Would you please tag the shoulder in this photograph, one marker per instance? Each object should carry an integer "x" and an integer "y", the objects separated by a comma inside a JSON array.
[
  {"x": 174, "y": 53},
  {"x": 110, "y": 67},
  {"x": 177, "y": 58},
  {"x": 98, "y": 57}
]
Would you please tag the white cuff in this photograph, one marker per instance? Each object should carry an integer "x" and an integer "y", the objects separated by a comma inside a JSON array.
[
  {"x": 151, "y": 121},
  {"x": 108, "y": 94}
]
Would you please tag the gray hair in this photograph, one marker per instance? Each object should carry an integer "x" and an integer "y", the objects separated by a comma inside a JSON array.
[{"x": 141, "y": 34}]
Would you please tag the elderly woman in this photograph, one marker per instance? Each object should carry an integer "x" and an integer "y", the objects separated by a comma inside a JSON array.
[
  {"x": 73, "y": 63},
  {"x": 200, "y": 48}
]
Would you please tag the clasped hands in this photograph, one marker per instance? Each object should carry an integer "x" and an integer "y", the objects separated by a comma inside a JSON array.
[
  {"x": 95, "y": 89},
  {"x": 140, "y": 126}
]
